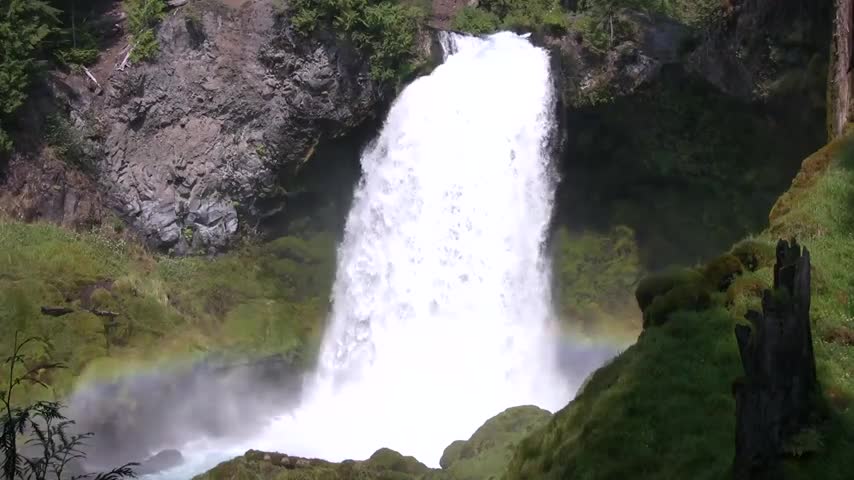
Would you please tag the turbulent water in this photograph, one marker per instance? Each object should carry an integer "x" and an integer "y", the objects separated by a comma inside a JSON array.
[{"x": 441, "y": 310}]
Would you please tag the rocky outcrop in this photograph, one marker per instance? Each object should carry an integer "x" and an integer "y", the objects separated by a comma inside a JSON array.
[
  {"x": 589, "y": 76},
  {"x": 489, "y": 450},
  {"x": 194, "y": 143},
  {"x": 42, "y": 187},
  {"x": 383, "y": 464},
  {"x": 774, "y": 401}
]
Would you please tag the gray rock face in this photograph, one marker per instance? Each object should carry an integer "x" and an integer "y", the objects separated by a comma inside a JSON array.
[
  {"x": 588, "y": 76},
  {"x": 233, "y": 101}
]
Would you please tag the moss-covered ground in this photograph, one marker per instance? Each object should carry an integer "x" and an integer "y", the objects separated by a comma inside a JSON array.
[
  {"x": 663, "y": 409},
  {"x": 260, "y": 300}
]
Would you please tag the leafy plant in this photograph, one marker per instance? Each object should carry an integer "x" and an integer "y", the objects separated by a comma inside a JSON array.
[
  {"x": 143, "y": 17},
  {"x": 45, "y": 429},
  {"x": 384, "y": 29},
  {"x": 25, "y": 25},
  {"x": 493, "y": 15}
]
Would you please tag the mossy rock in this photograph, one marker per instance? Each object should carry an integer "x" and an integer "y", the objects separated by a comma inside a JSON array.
[
  {"x": 691, "y": 296},
  {"x": 384, "y": 464},
  {"x": 487, "y": 453},
  {"x": 658, "y": 284},
  {"x": 745, "y": 293},
  {"x": 754, "y": 254},
  {"x": 720, "y": 272}
]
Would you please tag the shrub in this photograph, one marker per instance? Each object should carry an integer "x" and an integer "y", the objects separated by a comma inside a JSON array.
[
  {"x": 754, "y": 254},
  {"x": 384, "y": 29},
  {"x": 25, "y": 25},
  {"x": 661, "y": 283},
  {"x": 720, "y": 272},
  {"x": 42, "y": 427},
  {"x": 527, "y": 15},
  {"x": 143, "y": 17},
  {"x": 683, "y": 297},
  {"x": 475, "y": 20}
]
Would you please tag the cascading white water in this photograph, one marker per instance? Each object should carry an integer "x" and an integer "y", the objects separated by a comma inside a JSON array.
[{"x": 441, "y": 308}]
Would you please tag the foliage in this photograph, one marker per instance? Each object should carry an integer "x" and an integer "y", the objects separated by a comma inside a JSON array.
[
  {"x": 143, "y": 17},
  {"x": 25, "y": 25},
  {"x": 518, "y": 15},
  {"x": 268, "y": 299},
  {"x": 595, "y": 274},
  {"x": 385, "y": 30},
  {"x": 475, "y": 20},
  {"x": 662, "y": 409},
  {"x": 67, "y": 142},
  {"x": 44, "y": 429},
  {"x": 605, "y": 23},
  {"x": 489, "y": 450},
  {"x": 643, "y": 407}
]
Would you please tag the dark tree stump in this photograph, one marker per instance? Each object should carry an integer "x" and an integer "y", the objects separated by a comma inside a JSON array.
[{"x": 775, "y": 399}]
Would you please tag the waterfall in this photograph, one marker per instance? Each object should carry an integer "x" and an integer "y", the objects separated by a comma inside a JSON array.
[{"x": 441, "y": 311}]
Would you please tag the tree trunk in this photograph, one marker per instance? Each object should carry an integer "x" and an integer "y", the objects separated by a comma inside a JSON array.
[{"x": 775, "y": 399}]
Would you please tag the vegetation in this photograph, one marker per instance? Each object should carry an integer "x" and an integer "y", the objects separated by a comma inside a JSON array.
[
  {"x": 262, "y": 300},
  {"x": 384, "y": 464},
  {"x": 143, "y": 17},
  {"x": 385, "y": 30},
  {"x": 518, "y": 15},
  {"x": 643, "y": 407},
  {"x": 489, "y": 450},
  {"x": 595, "y": 275},
  {"x": 25, "y": 26},
  {"x": 42, "y": 429}
]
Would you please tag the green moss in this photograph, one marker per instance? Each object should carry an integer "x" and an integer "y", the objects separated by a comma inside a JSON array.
[
  {"x": 719, "y": 273},
  {"x": 754, "y": 254},
  {"x": 595, "y": 274},
  {"x": 745, "y": 292},
  {"x": 639, "y": 416},
  {"x": 642, "y": 408},
  {"x": 690, "y": 296},
  {"x": 488, "y": 452},
  {"x": 268, "y": 299},
  {"x": 658, "y": 284},
  {"x": 384, "y": 464}
]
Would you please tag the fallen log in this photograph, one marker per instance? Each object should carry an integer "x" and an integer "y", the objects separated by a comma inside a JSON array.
[{"x": 56, "y": 311}]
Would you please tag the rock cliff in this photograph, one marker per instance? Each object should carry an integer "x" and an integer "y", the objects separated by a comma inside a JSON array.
[{"x": 193, "y": 145}]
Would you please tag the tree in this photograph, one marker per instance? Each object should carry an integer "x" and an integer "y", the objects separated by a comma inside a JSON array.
[
  {"x": 25, "y": 25},
  {"x": 44, "y": 430}
]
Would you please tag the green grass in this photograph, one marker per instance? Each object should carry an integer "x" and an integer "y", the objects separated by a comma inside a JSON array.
[
  {"x": 268, "y": 299},
  {"x": 663, "y": 409}
]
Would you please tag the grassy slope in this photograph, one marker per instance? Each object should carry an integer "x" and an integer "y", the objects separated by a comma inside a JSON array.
[
  {"x": 261, "y": 300},
  {"x": 663, "y": 409}
]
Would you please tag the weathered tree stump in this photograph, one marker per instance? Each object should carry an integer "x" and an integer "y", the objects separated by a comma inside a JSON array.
[{"x": 775, "y": 399}]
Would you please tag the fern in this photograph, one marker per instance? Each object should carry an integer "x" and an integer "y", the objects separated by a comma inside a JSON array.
[{"x": 45, "y": 429}]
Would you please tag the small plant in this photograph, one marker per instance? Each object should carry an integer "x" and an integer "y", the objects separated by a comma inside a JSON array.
[
  {"x": 143, "y": 17},
  {"x": 188, "y": 234},
  {"x": 67, "y": 142},
  {"x": 44, "y": 429},
  {"x": 384, "y": 29}
]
